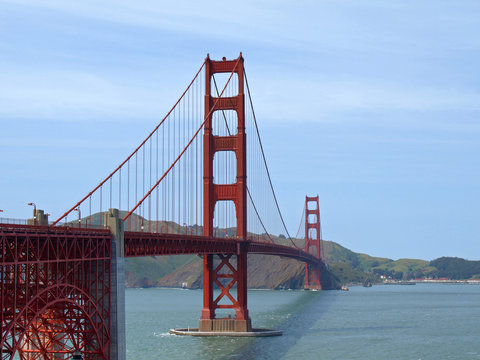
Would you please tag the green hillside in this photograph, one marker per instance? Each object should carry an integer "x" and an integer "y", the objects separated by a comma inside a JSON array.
[
  {"x": 344, "y": 272},
  {"x": 147, "y": 271},
  {"x": 456, "y": 268},
  {"x": 348, "y": 265},
  {"x": 343, "y": 265},
  {"x": 405, "y": 268}
]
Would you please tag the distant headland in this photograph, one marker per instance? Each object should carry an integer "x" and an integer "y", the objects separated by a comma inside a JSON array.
[{"x": 343, "y": 267}]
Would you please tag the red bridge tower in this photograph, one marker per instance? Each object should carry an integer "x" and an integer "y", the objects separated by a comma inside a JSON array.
[
  {"x": 236, "y": 192},
  {"x": 312, "y": 241}
]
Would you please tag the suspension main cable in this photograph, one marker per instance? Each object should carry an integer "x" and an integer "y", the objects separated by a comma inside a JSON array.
[
  {"x": 133, "y": 153},
  {"x": 186, "y": 147},
  {"x": 265, "y": 161},
  {"x": 259, "y": 218},
  {"x": 301, "y": 221}
]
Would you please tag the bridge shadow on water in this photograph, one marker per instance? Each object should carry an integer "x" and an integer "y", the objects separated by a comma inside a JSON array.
[{"x": 295, "y": 319}]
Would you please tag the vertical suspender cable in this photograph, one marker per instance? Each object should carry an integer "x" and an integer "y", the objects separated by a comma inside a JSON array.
[{"x": 265, "y": 161}]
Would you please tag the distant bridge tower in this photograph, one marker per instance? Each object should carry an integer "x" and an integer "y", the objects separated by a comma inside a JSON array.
[
  {"x": 236, "y": 192},
  {"x": 312, "y": 241}
]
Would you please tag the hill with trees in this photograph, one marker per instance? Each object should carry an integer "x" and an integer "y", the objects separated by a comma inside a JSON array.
[
  {"x": 273, "y": 272},
  {"x": 456, "y": 268},
  {"x": 343, "y": 265}
]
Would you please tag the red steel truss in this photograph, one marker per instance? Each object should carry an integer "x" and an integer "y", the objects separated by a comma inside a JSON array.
[
  {"x": 55, "y": 286},
  {"x": 56, "y": 282},
  {"x": 156, "y": 244},
  {"x": 312, "y": 242}
]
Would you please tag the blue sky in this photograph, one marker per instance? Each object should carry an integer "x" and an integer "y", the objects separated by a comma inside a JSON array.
[{"x": 374, "y": 105}]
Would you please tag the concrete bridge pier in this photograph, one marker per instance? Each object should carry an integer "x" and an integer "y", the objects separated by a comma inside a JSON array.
[{"x": 118, "y": 348}]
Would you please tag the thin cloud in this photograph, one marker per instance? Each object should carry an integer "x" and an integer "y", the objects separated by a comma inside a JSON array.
[
  {"x": 312, "y": 27},
  {"x": 74, "y": 95},
  {"x": 77, "y": 95},
  {"x": 317, "y": 100}
]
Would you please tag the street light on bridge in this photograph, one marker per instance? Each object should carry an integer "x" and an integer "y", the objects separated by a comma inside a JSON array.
[
  {"x": 79, "y": 216},
  {"x": 34, "y": 212}
]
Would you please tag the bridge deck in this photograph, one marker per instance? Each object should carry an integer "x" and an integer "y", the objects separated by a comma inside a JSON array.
[
  {"x": 156, "y": 244},
  {"x": 153, "y": 244}
]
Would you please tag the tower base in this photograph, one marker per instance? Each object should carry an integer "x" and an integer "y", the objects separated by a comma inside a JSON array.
[
  {"x": 224, "y": 325},
  {"x": 252, "y": 333},
  {"x": 313, "y": 287}
]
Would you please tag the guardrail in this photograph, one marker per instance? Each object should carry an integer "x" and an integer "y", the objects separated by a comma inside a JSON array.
[{"x": 13, "y": 221}]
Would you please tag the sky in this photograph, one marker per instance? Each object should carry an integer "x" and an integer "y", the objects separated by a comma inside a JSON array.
[{"x": 372, "y": 105}]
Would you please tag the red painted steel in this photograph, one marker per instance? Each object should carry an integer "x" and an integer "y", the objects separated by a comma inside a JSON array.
[
  {"x": 55, "y": 282},
  {"x": 157, "y": 244},
  {"x": 312, "y": 242},
  {"x": 130, "y": 156},
  {"x": 236, "y": 192},
  {"x": 55, "y": 286}
]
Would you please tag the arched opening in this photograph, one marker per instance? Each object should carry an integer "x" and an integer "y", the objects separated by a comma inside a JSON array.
[
  {"x": 54, "y": 334},
  {"x": 312, "y": 233},
  {"x": 225, "y": 219},
  {"x": 68, "y": 322},
  {"x": 224, "y": 167},
  {"x": 218, "y": 82},
  {"x": 224, "y": 123},
  {"x": 311, "y": 205}
]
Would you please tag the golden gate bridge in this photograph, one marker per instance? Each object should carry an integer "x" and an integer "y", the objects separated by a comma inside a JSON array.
[{"x": 184, "y": 190}]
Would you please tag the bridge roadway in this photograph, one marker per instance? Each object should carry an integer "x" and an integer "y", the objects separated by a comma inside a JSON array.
[
  {"x": 146, "y": 244},
  {"x": 49, "y": 271},
  {"x": 153, "y": 244}
]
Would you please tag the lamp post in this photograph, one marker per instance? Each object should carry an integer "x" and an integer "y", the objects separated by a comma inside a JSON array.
[
  {"x": 34, "y": 212},
  {"x": 79, "y": 216}
]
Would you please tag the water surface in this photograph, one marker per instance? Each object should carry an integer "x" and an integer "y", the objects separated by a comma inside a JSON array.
[{"x": 425, "y": 321}]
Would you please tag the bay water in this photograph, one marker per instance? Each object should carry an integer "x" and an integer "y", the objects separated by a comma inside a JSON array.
[{"x": 420, "y": 322}]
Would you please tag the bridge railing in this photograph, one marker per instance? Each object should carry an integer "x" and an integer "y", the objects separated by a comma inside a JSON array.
[
  {"x": 77, "y": 225},
  {"x": 13, "y": 221},
  {"x": 144, "y": 226}
]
